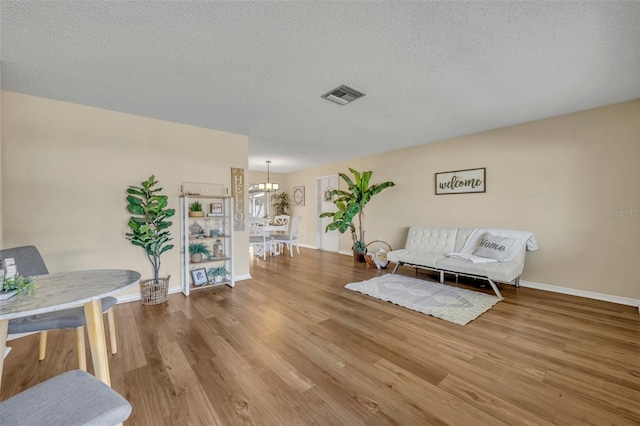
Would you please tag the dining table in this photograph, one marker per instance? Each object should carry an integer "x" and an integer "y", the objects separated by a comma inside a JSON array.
[
  {"x": 268, "y": 229},
  {"x": 65, "y": 290}
]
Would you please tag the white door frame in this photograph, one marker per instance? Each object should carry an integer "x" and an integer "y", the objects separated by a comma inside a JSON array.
[{"x": 332, "y": 240}]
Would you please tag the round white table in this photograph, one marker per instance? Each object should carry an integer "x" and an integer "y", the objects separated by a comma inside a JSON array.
[{"x": 68, "y": 290}]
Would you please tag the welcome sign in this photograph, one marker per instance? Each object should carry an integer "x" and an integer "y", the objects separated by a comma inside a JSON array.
[{"x": 461, "y": 181}]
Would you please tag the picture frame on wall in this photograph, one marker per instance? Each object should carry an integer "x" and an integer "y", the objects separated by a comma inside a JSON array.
[
  {"x": 298, "y": 196},
  {"x": 461, "y": 181},
  {"x": 199, "y": 277}
]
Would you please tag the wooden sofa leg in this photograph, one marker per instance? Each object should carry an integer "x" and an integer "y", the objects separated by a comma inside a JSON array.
[
  {"x": 495, "y": 288},
  {"x": 441, "y": 277}
]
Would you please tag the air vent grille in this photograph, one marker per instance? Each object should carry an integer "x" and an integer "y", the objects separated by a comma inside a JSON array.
[{"x": 343, "y": 95}]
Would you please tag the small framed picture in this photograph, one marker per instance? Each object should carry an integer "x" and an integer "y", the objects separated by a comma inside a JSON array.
[
  {"x": 199, "y": 276},
  {"x": 298, "y": 195},
  {"x": 216, "y": 209}
]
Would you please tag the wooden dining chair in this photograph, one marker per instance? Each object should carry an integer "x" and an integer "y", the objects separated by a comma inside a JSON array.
[{"x": 29, "y": 262}]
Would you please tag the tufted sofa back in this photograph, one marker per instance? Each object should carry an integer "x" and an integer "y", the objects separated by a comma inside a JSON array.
[{"x": 433, "y": 240}]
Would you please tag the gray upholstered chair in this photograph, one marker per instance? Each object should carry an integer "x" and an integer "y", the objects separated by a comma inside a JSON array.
[
  {"x": 29, "y": 262},
  {"x": 72, "y": 398},
  {"x": 292, "y": 237}
]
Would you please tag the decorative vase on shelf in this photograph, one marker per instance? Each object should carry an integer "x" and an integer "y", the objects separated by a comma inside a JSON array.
[
  {"x": 220, "y": 225},
  {"x": 196, "y": 258},
  {"x": 195, "y": 229}
]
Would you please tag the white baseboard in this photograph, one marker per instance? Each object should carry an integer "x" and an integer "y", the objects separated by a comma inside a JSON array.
[
  {"x": 529, "y": 284},
  {"x": 309, "y": 246},
  {"x": 172, "y": 290},
  {"x": 582, "y": 293}
]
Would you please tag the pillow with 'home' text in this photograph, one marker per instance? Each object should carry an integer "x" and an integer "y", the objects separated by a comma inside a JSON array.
[{"x": 494, "y": 247}]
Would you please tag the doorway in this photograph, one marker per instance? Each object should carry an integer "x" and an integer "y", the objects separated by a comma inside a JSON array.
[{"x": 327, "y": 241}]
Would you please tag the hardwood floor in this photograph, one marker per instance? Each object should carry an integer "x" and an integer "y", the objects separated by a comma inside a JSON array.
[{"x": 293, "y": 347}]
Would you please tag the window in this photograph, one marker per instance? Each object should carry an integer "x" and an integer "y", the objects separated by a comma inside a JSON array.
[{"x": 257, "y": 202}]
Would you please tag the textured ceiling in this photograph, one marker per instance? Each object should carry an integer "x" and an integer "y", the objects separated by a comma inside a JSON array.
[{"x": 431, "y": 70}]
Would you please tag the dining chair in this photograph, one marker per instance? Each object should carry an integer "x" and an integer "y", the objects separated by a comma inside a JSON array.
[
  {"x": 72, "y": 398},
  {"x": 259, "y": 241},
  {"x": 292, "y": 237},
  {"x": 29, "y": 262},
  {"x": 281, "y": 219}
]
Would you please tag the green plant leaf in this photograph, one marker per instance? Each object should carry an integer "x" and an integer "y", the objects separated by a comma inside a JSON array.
[
  {"x": 350, "y": 203},
  {"x": 135, "y": 190}
]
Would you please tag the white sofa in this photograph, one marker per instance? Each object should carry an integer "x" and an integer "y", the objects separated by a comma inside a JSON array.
[{"x": 447, "y": 250}]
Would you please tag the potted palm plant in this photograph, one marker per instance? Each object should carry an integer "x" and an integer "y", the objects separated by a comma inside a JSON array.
[
  {"x": 198, "y": 250},
  {"x": 280, "y": 202},
  {"x": 351, "y": 203},
  {"x": 149, "y": 230}
]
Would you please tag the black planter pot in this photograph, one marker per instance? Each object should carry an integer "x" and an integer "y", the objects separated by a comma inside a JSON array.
[{"x": 358, "y": 256}]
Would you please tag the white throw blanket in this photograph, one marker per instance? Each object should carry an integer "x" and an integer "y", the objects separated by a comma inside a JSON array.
[
  {"x": 471, "y": 258},
  {"x": 522, "y": 238}
]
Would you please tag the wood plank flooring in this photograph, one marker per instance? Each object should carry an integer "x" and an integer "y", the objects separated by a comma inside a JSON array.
[{"x": 293, "y": 347}]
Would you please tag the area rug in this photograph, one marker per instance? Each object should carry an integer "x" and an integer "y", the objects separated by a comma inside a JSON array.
[{"x": 446, "y": 302}]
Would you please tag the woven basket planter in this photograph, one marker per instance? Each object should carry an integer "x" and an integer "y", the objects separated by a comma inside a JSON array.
[
  {"x": 371, "y": 262},
  {"x": 154, "y": 292}
]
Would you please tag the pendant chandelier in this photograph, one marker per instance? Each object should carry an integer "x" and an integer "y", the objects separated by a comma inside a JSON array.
[{"x": 268, "y": 186}]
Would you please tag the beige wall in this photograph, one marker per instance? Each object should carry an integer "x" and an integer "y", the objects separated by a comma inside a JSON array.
[
  {"x": 1, "y": 235},
  {"x": 66, "y": 167},
  {"x": 557, "y": 178}
]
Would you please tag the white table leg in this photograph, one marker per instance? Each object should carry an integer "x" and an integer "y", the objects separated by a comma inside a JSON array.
[
  {"x": 97, "y": 340},
  {"x": 4, "y": 327}
]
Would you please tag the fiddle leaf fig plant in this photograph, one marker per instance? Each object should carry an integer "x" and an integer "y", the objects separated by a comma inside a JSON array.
[
  {"x": 351, "y": 203},
  {"x": 148, "y": 223}
]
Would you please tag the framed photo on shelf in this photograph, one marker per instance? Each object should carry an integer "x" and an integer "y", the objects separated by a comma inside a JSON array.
[
  {"x": 216, "y": 209},
  {"x": 199, "y": 277}
]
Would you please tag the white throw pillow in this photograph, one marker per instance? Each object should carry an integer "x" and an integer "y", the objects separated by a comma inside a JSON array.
[{"x": 494, "y": 247}]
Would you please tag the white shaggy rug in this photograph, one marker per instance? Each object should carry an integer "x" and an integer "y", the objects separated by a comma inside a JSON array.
[{"x": 446, "y": 302}]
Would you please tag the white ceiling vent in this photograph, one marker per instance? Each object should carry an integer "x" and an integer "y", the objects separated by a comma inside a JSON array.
[{"x": 343, "y": 95}]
